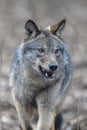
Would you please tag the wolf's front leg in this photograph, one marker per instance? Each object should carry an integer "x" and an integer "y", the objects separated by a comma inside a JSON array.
[
  {"x": 25, "y": 125},
  {"x": 46, "y": 113}
]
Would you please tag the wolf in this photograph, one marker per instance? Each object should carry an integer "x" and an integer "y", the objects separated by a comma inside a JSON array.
[{"x": 40, "y": 76}]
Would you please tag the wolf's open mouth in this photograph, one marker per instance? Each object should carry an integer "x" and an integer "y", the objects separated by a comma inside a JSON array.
[{"x": 46, "y": 73}]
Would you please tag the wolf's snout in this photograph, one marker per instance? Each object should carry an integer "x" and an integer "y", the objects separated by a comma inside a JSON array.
[{"x": 53, "y": 66}]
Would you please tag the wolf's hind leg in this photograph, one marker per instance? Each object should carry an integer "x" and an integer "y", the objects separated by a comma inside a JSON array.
[{"x": 58, "y": 121}]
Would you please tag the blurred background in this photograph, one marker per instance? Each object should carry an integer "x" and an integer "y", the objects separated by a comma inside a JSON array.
[{"x": 13, "y": 15}]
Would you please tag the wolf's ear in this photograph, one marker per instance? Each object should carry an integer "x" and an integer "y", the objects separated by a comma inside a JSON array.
[
  {"x": 58, "y": 28},
  {"x": 31, "y": 29}
]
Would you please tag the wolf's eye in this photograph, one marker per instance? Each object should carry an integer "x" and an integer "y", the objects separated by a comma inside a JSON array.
[{"x": 41, "y": 50}]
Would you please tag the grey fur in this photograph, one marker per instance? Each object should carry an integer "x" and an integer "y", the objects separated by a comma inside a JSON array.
[{"x": 29, "y": 85}]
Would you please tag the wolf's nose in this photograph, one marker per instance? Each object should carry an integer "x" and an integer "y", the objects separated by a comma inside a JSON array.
[{"x": 53, "y": 66}]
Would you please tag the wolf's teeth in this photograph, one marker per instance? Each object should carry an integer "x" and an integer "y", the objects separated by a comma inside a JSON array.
[
  {"x": 53, "y": 75},
  {"x": 46, "y": 75}
]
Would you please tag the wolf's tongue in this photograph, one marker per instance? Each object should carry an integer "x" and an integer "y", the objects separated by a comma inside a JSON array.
[{"x": 50, "y": 73}]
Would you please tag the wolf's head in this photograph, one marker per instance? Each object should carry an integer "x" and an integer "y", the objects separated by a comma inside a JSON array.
[{"x": 44, "y": 52}]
